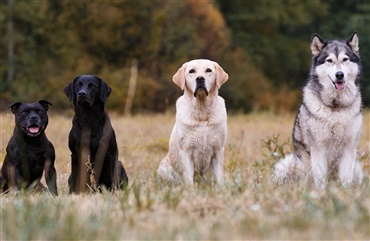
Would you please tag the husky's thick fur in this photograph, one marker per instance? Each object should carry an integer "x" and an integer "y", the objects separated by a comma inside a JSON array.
[{"x": 327, "y": 128}]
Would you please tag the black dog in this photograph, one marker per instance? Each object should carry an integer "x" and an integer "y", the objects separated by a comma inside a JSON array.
[
  {"x": 92, "y": 140},
  {"x": 29, "y": 152}
]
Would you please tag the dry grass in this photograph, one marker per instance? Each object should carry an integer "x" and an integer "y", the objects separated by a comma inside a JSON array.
[{"x": 249, "y": 207}]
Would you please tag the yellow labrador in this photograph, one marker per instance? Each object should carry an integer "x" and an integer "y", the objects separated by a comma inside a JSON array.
[{"x": 198, "y": 137}]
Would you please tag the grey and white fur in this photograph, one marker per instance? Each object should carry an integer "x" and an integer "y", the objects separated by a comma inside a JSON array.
[{"x": 328, "y": 125}]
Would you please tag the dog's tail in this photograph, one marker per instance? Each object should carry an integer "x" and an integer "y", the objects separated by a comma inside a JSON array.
[{"x": 287, "y": 170}]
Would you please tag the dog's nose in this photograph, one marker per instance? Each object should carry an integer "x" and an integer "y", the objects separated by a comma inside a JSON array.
[
  {"x": 200, "y": 79},
  {"x": 33, "y": 117},
  {"x": 82, "y": 93},
  {"x": 339, "y": 75}
]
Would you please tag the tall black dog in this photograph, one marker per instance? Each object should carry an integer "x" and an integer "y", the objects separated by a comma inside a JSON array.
[
  {"x": 92, "y": 139},
  {"x": 29, "y": 152}
]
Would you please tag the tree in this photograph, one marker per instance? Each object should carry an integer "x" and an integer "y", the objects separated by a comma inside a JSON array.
[{"x": 276, "y": 34}]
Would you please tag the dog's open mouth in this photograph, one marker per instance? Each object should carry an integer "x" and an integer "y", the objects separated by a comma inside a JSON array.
[
  {"x": 32, "y": 130},
  {"x": 339, "y": 85},
  {"x": 200, "y": 91}
]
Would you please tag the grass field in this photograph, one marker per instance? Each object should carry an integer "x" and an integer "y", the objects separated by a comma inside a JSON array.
[{"x": 249, "y": 207}]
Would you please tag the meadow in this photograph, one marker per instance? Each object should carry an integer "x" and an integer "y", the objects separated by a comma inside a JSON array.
[{"x": 249, "y": 207}]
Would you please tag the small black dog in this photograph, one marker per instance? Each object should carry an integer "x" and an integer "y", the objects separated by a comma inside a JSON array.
[
  {"x": 29, "y": 152},
  {"x": 92, "y": 139}
]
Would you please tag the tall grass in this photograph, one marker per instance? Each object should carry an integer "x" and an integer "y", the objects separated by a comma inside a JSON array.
[{"x": 249, "y": 207}]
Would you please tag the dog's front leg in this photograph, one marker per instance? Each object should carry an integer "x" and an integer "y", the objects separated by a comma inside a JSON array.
[
  {"x": 188, "y": 170},
  {"x": 319, "y": 167},
  {"x": 218, "y": 166},
  {"x": 72, "y": 180},
  {"x": 347, "y": 165},
  {"x": 51, "y": 177},
  {"x": 12, "y": 176}
]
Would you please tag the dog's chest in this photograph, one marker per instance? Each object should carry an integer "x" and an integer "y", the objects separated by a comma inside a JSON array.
[
  {"x": 35, "y": 155},
  {"x": 201, "y": 141},
  {"x": 31, "y": 162},
  {"x": 338, "y": 129}
]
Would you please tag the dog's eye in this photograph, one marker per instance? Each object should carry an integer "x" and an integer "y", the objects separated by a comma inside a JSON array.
[
  {"x": 208, "y": 70},
  {"x": 345, "y": 59},
  {"x": 192, "y": 71},
  {"x": 329, "y": 61},
  {"x": 24, "y": 112},
  {"x": 40, "y": 111},
  {"x": 79, "y": 84},
  {"x": 90, "y": 85}
]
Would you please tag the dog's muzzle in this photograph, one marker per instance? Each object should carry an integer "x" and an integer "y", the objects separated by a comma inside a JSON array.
[
  {"x": 339, "y": 82},
  {"x": 33, "y": 127},
  {"x": 33, "y": 130},
  {"x": 200, "y": 87},
  {"x": 82, "y": 98}
]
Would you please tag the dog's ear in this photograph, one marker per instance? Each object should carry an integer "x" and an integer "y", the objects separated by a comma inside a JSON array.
[
  {"x": 45, "y": 104},
  {"x": 70, "y": 89},
  {"x": 317, "y": 44},
  {"x": 221, "y": 75},
  {"x": 105, "y": 90},
  {"x": 179, "y": 77},
  {"x": 15, "y": 106},
  {"x": 353, "y": 42}
]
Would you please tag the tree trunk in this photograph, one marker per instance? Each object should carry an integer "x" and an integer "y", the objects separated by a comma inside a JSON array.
[{"x": 131, "y": 87}]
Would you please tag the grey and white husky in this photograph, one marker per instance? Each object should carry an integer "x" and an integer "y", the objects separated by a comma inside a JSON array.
[{"x": 328, "y": 125}]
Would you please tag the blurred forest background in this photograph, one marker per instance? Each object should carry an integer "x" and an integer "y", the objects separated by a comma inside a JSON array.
[{"x": 262, "y": 45}]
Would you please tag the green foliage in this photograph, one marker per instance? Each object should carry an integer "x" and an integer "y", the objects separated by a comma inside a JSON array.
[
  {"x": 357, "y": 17},
  {"x": 263, "y": 45},
  {"x": 276, "y": 34},
  {"x": 273, "y": 151},
  {"x": 268, "y": 30}
]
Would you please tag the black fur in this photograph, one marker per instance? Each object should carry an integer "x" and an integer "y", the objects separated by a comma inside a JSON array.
[
  {"x": 88, "y": 95},
  {"x": 29, "y": 152}
]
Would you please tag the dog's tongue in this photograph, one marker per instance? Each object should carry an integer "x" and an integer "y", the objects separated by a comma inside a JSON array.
[
  {"x": 34, "y": 129},
  {"x": 339, "y": 85}
]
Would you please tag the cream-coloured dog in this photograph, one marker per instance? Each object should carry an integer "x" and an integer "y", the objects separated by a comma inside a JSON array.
[{"x": 198, "y": 137}]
